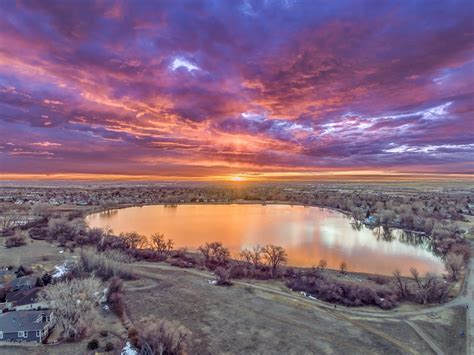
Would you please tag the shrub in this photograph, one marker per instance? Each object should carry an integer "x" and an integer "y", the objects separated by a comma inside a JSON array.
[
  {"x": 180, "y": 253},
  {"x": 181, "y": 263},
  {"x": 104, "y": 333},
  {"x": 343, "y": 292},
  {"x": 109, "y": 346},
  {"x": 222, "y": 276},
  {"x": 115, "y": 297},
  {"x": 93, "y": 344},
  {"x": 23, "y": 271},
  {"x": 16, "y": 240},
  {"x": 162, "y": 337},
  {"x": 46, "y": 278}
]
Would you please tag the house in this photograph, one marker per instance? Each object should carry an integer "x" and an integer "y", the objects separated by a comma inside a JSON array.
[
  {"x": 23, "y": 300},
  {"x": 30, "y": 326}
]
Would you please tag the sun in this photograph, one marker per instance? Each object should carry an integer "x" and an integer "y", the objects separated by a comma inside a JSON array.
[{"x": 237, "y": 178}]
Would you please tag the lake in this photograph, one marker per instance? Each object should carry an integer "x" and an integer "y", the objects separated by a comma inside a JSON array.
[{"x": 308, "y": 234}]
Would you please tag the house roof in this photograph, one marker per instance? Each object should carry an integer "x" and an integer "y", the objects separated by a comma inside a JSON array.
[
  {"x": 22, "y": 320},
  {"x": 22, "y": 297}
]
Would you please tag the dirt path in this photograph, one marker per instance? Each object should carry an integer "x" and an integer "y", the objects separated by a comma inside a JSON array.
[{"x": 425, "y": 337}]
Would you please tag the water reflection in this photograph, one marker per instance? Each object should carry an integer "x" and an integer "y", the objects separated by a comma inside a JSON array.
[{"x": 309, "y": 234}]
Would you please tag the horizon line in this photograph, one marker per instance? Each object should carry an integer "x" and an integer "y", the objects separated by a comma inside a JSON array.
[{"x": 242, "y": 177}]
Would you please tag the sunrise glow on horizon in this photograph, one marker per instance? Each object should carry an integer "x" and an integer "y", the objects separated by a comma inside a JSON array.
[{"x": 236, "y": 91}]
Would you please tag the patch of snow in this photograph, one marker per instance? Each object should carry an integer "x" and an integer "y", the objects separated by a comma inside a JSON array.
[
  {"x": 128, "y": 349},
  {"x": 60, "y": 270},
  {"x": 212, "y": 282},
  {"x": 103, "y": 297},
  {"x": 105, "y": 307},
  {"x": 307, "y": 295},
  {"x": 61, "y": 251}
]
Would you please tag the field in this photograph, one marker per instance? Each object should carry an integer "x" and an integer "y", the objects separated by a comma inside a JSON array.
[{"x": 242, "y": 319}]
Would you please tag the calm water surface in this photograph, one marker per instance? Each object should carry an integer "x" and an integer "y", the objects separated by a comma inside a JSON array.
[{"x": 307, "y": 233}]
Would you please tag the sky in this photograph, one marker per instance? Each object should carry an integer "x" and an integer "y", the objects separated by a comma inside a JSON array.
[{"x": 236, "y": 89}]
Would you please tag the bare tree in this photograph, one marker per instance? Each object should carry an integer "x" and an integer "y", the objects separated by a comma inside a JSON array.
[
  {"x": 9, "y": 219},
  {"x": 322, "y": 264},
  {"x": 252, "y": 256},
  {"x": 343, "y": 267},
  {"x": 134, "y": 240},
  {"x": 43, "y": 210},
  {"x": 454, "y": 264},
  {"x": 74, "y": 303},
  {"x": 430, "y": 288},
  {"x": 401, "y": 284},
  {"x": 160, "y": 245},
  {"x": 215, "y": 253},
  {"x": 274, "y": 256}
]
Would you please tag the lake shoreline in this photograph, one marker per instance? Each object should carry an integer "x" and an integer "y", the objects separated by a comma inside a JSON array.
[{"x": 307, "y": 263}]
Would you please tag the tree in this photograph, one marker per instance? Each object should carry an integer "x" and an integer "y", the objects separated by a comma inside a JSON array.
[
  {"x": 322, "y": 264},
  {"x": 430, "y": 288},
  {"x": 62, "y": 230},
  {"x": 160, "y": 245},
  {"x": 454, "y": 264},
  {"x": 42, "y": 210},
  {"x": 215, "y": 253},
  {"x": 74, "y": 303},
  {"x": 343, "y": 267},
  {"x": 401, "y": 284},
  {"x": 252, "y": 256},
  {"x": 9, "y": 219},
  {"x": 274, "y": 256},
  {"x": 133, "y": 240}
]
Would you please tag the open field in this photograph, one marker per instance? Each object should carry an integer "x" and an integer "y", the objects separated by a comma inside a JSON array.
[{"x": 241, "y": 319}]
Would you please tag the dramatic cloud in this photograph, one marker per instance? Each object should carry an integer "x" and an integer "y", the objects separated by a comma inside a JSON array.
[{"x": 214, "y": 88}]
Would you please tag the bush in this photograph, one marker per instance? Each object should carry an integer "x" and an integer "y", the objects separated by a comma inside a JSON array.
[
  {"x": 93, "y": 344},
  {"x": 115, "y": 297},
  {"x": 222, "y": 276},
  {"x": 162, "y": 337},
  {"x": 181, "y": 263},
  {"x": 343, "y": 292},
  {"x": 17, "y": 240},
  {"x": 104, "y": 333},
  {"x": 109, "y": 346}
]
